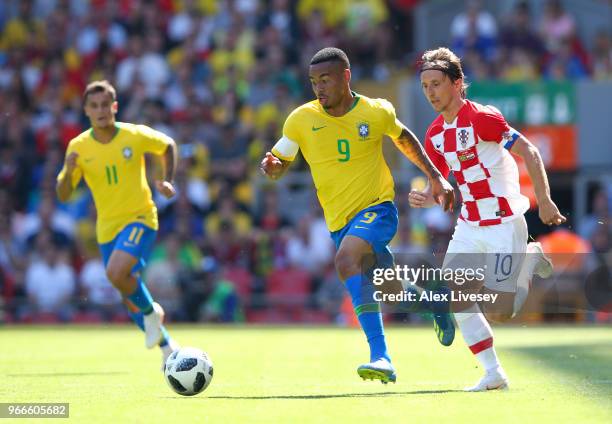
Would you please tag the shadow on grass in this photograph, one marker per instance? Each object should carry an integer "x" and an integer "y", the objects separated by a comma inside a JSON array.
[
  {"x": 335, "y": 396},
  {"x": 589, "y": 363},
  {"x": 63, "y": 374}
]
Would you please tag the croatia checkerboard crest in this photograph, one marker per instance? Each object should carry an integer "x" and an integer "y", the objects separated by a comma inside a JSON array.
[{"x": 463, "y": 138}]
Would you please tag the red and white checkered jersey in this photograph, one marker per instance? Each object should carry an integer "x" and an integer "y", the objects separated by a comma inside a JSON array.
[{"x": 475, "y": 148}]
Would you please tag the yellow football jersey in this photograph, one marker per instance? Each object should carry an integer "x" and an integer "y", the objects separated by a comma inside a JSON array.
[
  {"x": 116, "y": 175},
  {"x": 344, "y": 153}
]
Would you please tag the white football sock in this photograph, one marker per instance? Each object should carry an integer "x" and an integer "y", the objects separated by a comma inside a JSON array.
[{"x": 478, "y": 335}]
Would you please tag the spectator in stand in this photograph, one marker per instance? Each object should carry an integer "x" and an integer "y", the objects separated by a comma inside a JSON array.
[
  {"x": 306, "y": 249},
  {"x": 330, "y": 294},
  {"x": 162, "y": 275},
  {"x": 227, "y": 154},
  {"x": 100, "y": 295},
  {"x": 522, "y": 50},
  {"x": 599, "y": 219},
  {"x": 227, "y": 210},
  {"x": 474, "y": 29},
  {"x": 227, "y": 246},
  {"x": 11, "y": 254},
  {"x": 602, "y": 56},
  {"x": 222, "y": 303},
  {"x": 519, "y": 66},
  {"x": 364, "y": 21},
  {"x": 557, "y": 25},
  {"x": 565, "y": 63},
  {"x": 47, "y": 218},
  {"x": 50, "y": 281}
]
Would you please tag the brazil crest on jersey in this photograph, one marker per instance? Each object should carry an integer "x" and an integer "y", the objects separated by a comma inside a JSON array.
[
  {"x": 116, "y": 175},
  {"x": 344, "y": 153}
]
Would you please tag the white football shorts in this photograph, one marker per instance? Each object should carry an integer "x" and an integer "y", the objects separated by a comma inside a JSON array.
[{"x": 499, "y": 249}]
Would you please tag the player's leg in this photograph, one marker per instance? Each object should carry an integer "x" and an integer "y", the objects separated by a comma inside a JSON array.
[
  {"x": 466, "y": 251},
  {"x": 439, "y": 308},
  {"x": 166, "y": 344},
  {"x": 131, "y": 286},
  {"x": 362, "y": 245},
  {"x": 131, "y": 248},
  {"x": 353, "y": 256},
  {"x": 512, "y": 265},
  {"x": 535, "y": 263}
]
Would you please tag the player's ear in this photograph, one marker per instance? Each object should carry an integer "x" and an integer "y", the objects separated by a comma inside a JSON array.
[
  {"x": 458, "y": 83},
  {"x": 115, "y": 106},
  {"x": 347, "y": 75}
]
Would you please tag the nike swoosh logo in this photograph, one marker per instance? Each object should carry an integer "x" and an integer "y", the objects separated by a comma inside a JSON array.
[
  {"x": 88, "y": 160},
  {"x": 359, "y": 226},
  {"x": 318, "y": 128},
  {"x": 503, "y": 279},
  {"x": 438, "y": 146}
]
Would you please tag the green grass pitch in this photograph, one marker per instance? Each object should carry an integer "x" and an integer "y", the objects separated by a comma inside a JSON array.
[{"x": 297, "y": 374}]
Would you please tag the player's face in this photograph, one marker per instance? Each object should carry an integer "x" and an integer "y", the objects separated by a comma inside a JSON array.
[
  {"x": 439, "y": 90},
  {"x": 328, "y": 80},
  {"x": 100, "y": 109}
]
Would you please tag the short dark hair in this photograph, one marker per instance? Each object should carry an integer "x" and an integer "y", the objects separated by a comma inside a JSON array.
[
  {"x": 444, "y": 60},
  {"x": 102, "y": 86},
  {"x": 331, "y": 54}
]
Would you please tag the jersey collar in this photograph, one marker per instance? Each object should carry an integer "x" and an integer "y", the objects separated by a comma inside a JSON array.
[
  {"x": 117, "y": 128},
  {"x": 355, "y": 101}
]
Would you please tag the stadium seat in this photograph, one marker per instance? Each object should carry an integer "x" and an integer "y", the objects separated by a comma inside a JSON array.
[
  {"x": 87, "y": 318},
  {"x": 267, "y": 316},
  {"x": 45, "y": 318},
  {"x": 311, "y": 316},
  {"x": 288, "y": 287},
  {"x": 121, "y": 318},
  {"x": 242, "y": 279}
]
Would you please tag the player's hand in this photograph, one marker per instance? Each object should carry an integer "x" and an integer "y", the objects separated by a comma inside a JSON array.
[
  {"x": 420, "y": 199},
  {"x": 549, "y": 213},
  {"x": 271, "y": 166},
  {"x": 71, "y": 161},
  {"x": 442, "y": 193},
  {"x": 165, "y": 188}
]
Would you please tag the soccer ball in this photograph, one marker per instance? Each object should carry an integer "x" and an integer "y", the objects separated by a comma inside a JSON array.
[{"x": 188, "y": 371}]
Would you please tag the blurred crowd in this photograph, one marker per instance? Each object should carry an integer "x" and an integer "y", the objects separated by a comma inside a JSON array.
[
  {"x": 219, "y": 76},
  {"x": 518, "y": 47}
]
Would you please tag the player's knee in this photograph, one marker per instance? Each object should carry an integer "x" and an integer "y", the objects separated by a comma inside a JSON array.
[
  {"x": 346, "y": 264},
  {"x": 115, "y": 275}
]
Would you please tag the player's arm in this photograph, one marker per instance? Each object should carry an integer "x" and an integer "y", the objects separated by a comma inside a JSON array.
[
  {"x": 275, "y": 163},
  {"x": 440, "y": 190},
  {"x": 169, "y": 161},
  {"x": 421, "y": 199},
  {"x": 273, "y": 167},
  {"x": 65, "y": 185},
  {"x": 549, "y": 213}
]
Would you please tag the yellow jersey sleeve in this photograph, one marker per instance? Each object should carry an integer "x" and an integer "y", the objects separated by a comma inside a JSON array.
[
  {"x": 153, "y": 141},
  {"x": 393, "y": 127},
  {"x": 288, "y": 146},
  {"x": 77, "y": 174}
]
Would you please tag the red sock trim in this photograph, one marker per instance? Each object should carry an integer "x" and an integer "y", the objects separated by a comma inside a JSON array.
[{"x": 481, "y": 345}]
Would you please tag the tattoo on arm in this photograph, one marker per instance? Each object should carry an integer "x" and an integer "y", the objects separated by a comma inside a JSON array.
[{"x": 410, "y": 146}]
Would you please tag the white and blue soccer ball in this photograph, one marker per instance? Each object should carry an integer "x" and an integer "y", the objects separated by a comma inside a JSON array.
[{"x": 188, "y": 371}]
